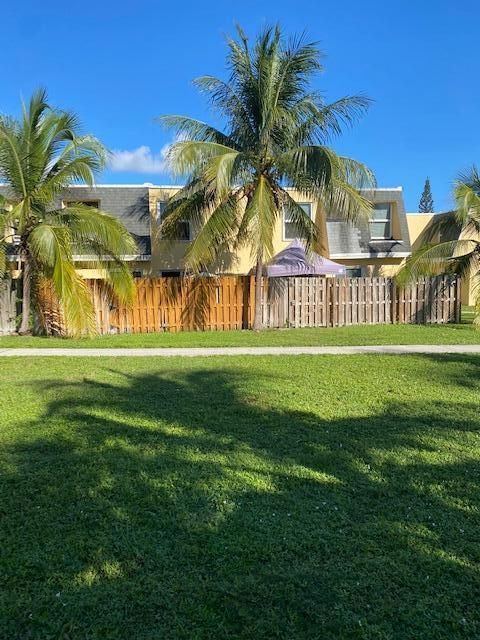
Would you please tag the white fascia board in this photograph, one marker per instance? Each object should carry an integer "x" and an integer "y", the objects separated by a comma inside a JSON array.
[
  {"x": 367, "y": 256},
  {"x": 123, "y": 186},
  {"x": 127, "y": 258},
  {"x": 179, "y": 186}
]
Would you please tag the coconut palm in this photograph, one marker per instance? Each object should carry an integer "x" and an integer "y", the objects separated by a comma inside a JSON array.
[
  {"x": 451, "y": 243},
  {"x": 276, "y": 135},
  {"x": 41, "y": 154}
]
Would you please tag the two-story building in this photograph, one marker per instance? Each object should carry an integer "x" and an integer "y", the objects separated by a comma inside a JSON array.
[{"x": 378, "y": 247}]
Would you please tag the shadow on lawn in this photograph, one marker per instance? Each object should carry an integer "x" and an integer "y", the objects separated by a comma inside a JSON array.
[{"x": 177, "y": 506}]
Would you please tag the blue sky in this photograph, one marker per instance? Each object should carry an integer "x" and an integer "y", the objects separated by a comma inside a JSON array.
[{"x": 119, "y": 64}]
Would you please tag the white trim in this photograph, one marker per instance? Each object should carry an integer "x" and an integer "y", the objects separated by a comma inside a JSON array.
[
  {"x": 355, "y": 256},
  {"x": 373, "y": 189},
  {"x": 144, "y": 257},
  {"x": 165, "y": 186},
  {"x": 386, "y": 221},
  {"x": 121, "y": 186},
  {"x": 149, "y": 185}
]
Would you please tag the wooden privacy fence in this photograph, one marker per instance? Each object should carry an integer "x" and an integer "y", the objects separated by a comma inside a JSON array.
[
  {"x": 337, "y": 302},
  {"x": 227, "y": 302},
  {"x": 178, "y": 304},
  {"x": 8, "y": 306}
]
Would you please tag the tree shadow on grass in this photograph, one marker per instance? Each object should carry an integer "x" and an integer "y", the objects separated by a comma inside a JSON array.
[
  {"x": 178, "y": 504},
  {"x": 467, "y": 373}
]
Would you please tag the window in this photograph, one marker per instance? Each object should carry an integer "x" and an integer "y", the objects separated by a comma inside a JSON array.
[
  {"x": 289, "y": 228},
  {"x": 380, "y": 222},
  {"x": 183, "y": 226},
  {"x": 86, "y": 203},
  {"x": 170, "y": 274},
  {"x": 161, "y": 206},
  {"x": 353, "y": 272},
  {"x": 137, "y": 274}
]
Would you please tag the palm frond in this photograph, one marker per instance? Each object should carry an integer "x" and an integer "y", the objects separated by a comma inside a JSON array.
[
  {"x": 190, "y": 157},
  {"x": 453, "y": 255},
  {"x": 11, "y": 164},
  {"x": 467, "y": 195},
  {"x": 307, "y": 169},
  {"x": 89, "y": 226},
  {"x": 230, "y": 105},
  {"x": 346, "y": 111},
  {"x": 50, "y": 247},
  {"x": 193, "y": 203},
  {"x": 193, "y": 129},
  {"x": 221, "y": 172},
  {"x": 305, "y": 227},
  {"x": 215, "y": 235},
  {"x": 263, "y": 211},
  {"x": 105, "y": 239},
  {"x": 442, "y": 227}
]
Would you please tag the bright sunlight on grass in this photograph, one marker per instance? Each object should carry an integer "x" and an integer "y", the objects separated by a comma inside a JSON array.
[
  {"x": 293, "y": 497},
  {"x": 356, "y": 335}
]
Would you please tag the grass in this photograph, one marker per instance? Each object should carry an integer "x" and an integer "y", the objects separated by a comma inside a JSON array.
[
  {"x": 356, "y": 335},
  {"x": 468, "y": 314},
  {"x": 250, "y": 498}
]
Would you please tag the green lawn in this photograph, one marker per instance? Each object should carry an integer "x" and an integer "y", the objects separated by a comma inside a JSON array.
[
  {"x": 357, "y": 335},
  {"x": 245, "y": 498},
  {"x": 468, "y": 314}
]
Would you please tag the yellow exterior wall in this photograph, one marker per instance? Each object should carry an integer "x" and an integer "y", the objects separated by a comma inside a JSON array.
[{"x": 417, "y": 223}]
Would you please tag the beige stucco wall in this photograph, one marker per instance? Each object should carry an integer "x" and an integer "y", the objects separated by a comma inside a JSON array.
[{"x": 417, "y": 223}]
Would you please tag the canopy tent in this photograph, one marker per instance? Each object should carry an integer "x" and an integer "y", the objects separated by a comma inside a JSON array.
[{"x": 293, "y": 261}]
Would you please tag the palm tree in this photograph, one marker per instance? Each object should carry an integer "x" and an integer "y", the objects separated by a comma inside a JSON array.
[
  {"x": 41, "y": 154},
  {"x": 276, "y": 135},
  {"x": 451, "y": 243}
]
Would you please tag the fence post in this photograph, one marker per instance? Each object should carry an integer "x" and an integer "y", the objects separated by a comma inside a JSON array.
[
  {"x": 393, "y": 300},
  {"x": 248, "y": 301},
  {"x": 8, "y": 306},
  {"x": 458, "y": 300},
  {"x": 331, "y": 302}
]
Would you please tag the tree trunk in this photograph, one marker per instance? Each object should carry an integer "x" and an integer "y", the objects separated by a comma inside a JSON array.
[
  {"x": 257, "y": 318},
  {"x": 26, "y": 298}
]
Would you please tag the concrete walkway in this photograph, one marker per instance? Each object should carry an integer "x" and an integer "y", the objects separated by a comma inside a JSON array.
[{"x": 242, "y": 351}]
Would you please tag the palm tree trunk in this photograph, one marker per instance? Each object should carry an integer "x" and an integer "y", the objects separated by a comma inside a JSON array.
[
  {"x": 26, "y": 296},
  {"x": 257, "y": 318}
]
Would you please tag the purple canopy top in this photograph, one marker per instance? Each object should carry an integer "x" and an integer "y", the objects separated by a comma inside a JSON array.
[{"x": 293, "y": 261}]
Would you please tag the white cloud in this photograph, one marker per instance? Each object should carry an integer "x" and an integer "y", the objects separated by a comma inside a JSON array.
[{"x": 140, "y": 160}]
